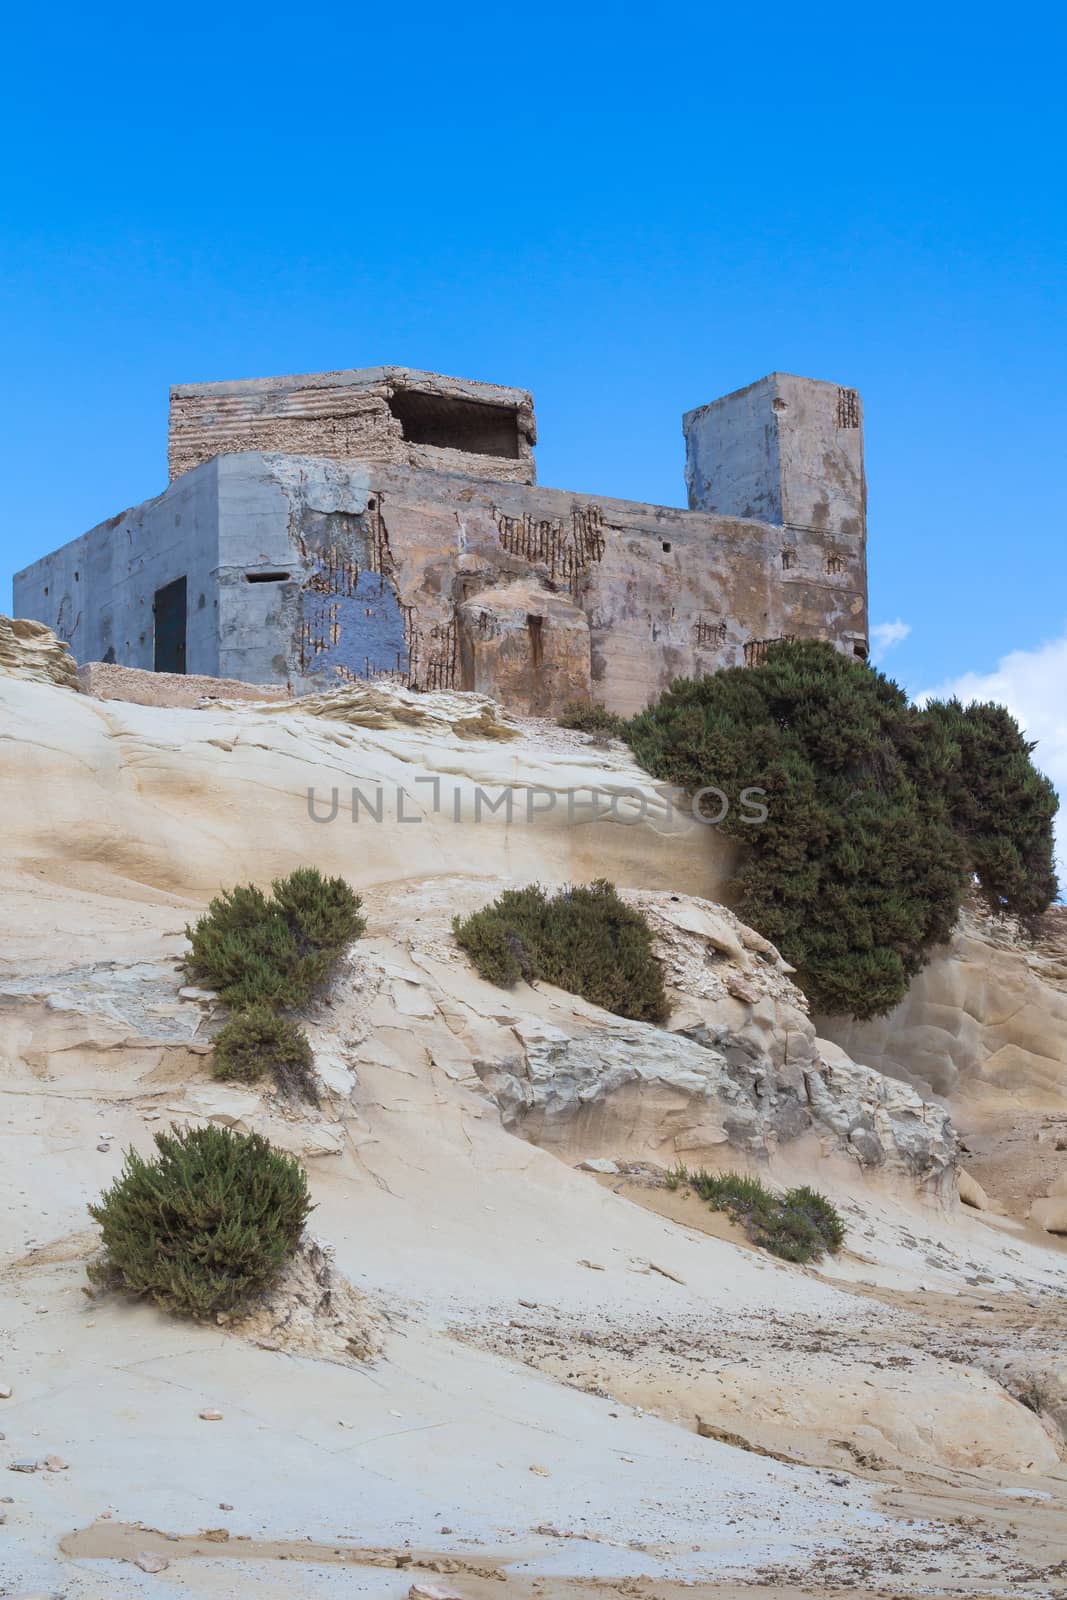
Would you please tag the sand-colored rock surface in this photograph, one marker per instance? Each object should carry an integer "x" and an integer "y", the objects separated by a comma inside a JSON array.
[
  {"x": 107, "y": 680},
  {"x": 984, "y": 1024},
  {"x": 1051, "y": 1211},
  {"x": 501, "y": 1388},
  {"x": 983, "y": 1030},
  {"x": 153, "y": 810},
  {"x": 30, "y": 650}
]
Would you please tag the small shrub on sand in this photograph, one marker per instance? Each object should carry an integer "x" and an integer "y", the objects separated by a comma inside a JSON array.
[
  {"x": 590, "y": 716},
  {"x": 800, "y": 1225},
  {"x": 257, "y": 1043},
  {"x": 206, "y": 1225},
  {"x": 277, "y": 950},
  {"x": 583, "y": 939}
]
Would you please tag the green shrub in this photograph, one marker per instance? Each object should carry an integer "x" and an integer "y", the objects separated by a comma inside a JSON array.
[
  {"x": 585, "y": 940},
  {"x": 800, "y": 1225},
  {"x": 820, "y": 1212},
  {"x": 256, "y": 1043},
  {"x": 205, "y": 1226},
  {"x": 879, "y": 814},
  {"x": 857, "y": 870},
  {"x": 274, "y": 951},
  {"x": 1001, "y": 806},
  {"x": 590, "y": 716}
]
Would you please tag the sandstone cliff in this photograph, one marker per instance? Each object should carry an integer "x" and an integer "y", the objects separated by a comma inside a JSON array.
[{"x": 512, "y": 1348}]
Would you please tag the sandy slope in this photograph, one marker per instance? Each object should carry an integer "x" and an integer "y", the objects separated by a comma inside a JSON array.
[{"x": 550, "y": 1342}]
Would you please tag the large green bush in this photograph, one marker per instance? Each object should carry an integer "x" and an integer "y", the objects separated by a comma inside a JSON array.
[
  {"x": 204, "y": 1227},
  {"x": 585, "y": 940},
  {"x": 877, "y": 812},
  {"x": 856, "y": 870},
  {"x": 257, "y": 1043},
  {"x": 277, "y": 950},
  {"x": 1000, "y": 805}
]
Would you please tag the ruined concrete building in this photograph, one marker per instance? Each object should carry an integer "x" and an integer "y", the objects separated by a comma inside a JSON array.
[{"x": 387, "y": 523}]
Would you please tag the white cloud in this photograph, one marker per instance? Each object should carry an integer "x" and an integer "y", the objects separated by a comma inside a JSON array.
[
  {"x": 1033, "y": 686},
  {"x": 884, "y": 635}
]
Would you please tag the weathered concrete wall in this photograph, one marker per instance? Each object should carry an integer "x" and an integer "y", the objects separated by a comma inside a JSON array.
[
  {"x": 392, "y": 414},
  {"x": 96, "y": 592},
  {"x": 307, "y": 569},
  {"x": 786, "y": 450},
  {"x": 413, "y": 576}
]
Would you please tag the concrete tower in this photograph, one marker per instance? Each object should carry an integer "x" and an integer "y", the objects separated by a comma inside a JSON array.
[{"x": 784, "y": 450}]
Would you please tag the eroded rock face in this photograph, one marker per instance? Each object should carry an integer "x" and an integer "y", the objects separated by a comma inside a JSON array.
[
  {"x": 738, "y": 1068},
  {"x": 30, "y": 650},
  {"x": 881, "y": 1120},
  {"x": 985, "y": 1021},
  {"x": 167, "y": 803},
  {"x": 632, "y": 1084},
  {"x": 390, "y": 705},
  {"x": 314, "y": 1311}
]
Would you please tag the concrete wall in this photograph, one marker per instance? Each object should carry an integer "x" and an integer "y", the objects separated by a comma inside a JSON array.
[
  {"x": 97, "y": 592},
  {"x": 389, "y": 414},
  {"x": 418, "y": 576},
  {"x": 786, "y": 450},
  {"x": 256, "y": 619}
]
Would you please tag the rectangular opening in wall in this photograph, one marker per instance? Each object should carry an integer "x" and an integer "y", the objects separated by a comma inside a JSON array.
[
  {"x": 266, "y": 577},
  {"x": 450, "y": 423},
  {"x": 535, "y": 627},
  {"x": 169, "y": 611}
]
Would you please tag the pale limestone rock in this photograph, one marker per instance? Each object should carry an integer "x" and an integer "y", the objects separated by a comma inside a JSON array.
[
  {"x": 334, "y": 1071},
  {"x": 244, "y": 815},
  {"x": 1050, "y": 1213},
  {"x": 314, "y": 1311},
  {"x": 149, "y": 1561},
  {"x": 221, "y": 1103},
  {"x": 1040, "y": 1381},
  {"x": 935, "y": 1410},
  {"x": 299, "y": 1130},
  {"x": 883, "y": 1120},
  {"x": 747, "y": 1074},
  {"x": 971, "y": 1192},
  {"x": 384, "y": 705},
  {"x": 711, "y": 924},
  {"x": 985, "y": 1020},
  {"x": 306, "y": 1137},
  {"x": 411, "y": 1000},
  {"x": 749, "y": 1082},
  {"x": 30, "y": 650}
]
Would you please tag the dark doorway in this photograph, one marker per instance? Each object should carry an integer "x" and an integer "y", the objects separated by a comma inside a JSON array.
[{"x": 168, "y": 608}]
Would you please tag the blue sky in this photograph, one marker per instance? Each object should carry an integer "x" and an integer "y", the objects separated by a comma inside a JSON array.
[{"x": 627, "y": 210}]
